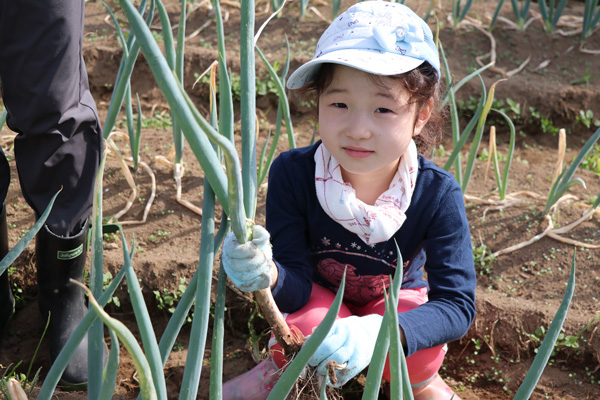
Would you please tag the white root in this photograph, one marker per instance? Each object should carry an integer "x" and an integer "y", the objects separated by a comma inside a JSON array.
[
  {"x": 523, "y": 244},
  {"x": 130, "y": 181},
  {"x": 150, "y": 199},
  {"x": 128, "y": 177}
]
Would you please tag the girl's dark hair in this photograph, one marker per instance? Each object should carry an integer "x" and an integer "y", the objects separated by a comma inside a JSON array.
[{"x": 421, "y": 84}]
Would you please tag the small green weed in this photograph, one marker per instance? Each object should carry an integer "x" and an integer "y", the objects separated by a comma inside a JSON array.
[
  {"x": 255, "y": 338},
  {"x": 169, "y": 298},
  {"x": 585, "y": 80},
  {"x": 507, "y": 106},
  {"x": 563, "y": 341},
  {"x": 267, "y": 85},
  {"x": 440, "y": 151},
  {"x": 109, "y": 237},
  {"x": 160, "y": 120},
  {"x": 484, "y": 155},
  {"x": 264, "y": 86},
  {"x": 177, "y": 346},
  {"x": 94, "y": 37},
  {"x": 235, "y": 80},
  {"x": 107, "y": 278},
  {"x": 17, "y": 291},
  {"x": 160, "y": 234},
  {"x": 514, "y": 108},
  {"x": 482, "y": 264},
  {"x": 158, "y": 37},
  {"x": 23, "y": 380},
  {"x": 592, "y": 161},
  {"x": 499, "y": 376},
  {"x": 546, "y": 124},
  {"x": 586, "y": 118}
]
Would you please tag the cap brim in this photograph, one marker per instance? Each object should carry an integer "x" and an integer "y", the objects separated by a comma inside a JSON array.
[{"x": 374, "y": 62}]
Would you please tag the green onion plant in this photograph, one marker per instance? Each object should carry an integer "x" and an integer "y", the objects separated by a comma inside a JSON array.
[
  {"x": 495, "y": 15},
  {"x": 276, "y": 5},
  {"x": 175, "y": 58},
  {"x": 591, "y": 18},
  {"x": 283, "y": 113},
  {"x": 109, "y": 383},
  {"x": 545, "y": 350},
  {"x": 96, "y": 331},
  {"x": 565, "y": 179},
  {"x": 551, "y": 13},
  {"x": 12, "y": 255},
  {"x": 388, "y": 339},
  {"x": 459, "y": 11},
  {"x": 131, "y": 51},
  {"x": 502, "y": 178},
  {"x": 521, "y": 9},
  {"x": 134, "y": 133},
  {"x": 147, "y": 389},
  {"x": 335, "y": 7},
  {"x": 459, "y": 139},
  {"x": 303, "y": 7}
]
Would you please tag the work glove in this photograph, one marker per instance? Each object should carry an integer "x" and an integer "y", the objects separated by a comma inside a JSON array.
[
  {"x": 248, "y": 265},
  {"x": 350, "y": 343}
]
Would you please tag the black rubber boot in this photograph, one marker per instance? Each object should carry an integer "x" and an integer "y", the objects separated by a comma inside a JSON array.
[
  {"x": 7, "y": 301},
  {"x": 58, "y": 259}
]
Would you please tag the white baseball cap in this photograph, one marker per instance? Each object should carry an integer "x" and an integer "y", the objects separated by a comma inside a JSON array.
[{"x": 377, "y": 37}]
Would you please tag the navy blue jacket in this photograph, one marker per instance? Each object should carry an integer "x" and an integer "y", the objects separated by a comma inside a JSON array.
[{"x": 434, "y": 241}]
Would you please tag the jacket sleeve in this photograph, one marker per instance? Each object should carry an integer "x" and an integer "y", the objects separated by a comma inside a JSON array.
[
  {"x": 286, "y": 215},
  {"x": 451, "y": 277}
]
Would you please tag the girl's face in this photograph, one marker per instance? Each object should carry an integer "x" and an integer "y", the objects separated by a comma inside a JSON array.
[{"x": 367, "y": 126}]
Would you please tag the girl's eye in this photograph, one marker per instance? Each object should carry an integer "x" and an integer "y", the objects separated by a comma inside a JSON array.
[
  {"x": 340, "y": 105},
  {"x": 383, "y": 110}
]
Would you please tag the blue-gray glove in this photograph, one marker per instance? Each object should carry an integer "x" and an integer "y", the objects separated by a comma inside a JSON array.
[
  {"x": 350, "y": 343},
  {"x": 248, "y": 265}
]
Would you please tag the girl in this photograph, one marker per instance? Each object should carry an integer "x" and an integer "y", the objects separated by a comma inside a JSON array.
[{"x": 345, "y": 202}]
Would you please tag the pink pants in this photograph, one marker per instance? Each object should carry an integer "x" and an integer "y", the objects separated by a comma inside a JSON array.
[{"x": 422, "y": 365}]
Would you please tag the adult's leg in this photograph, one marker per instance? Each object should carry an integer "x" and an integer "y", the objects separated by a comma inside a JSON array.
[
  {"x": 58, "y": 260},
  {"x": 7, "y": 301},
  {"x": 59, "y": 145},
  {"x": 45, "y": 90}
]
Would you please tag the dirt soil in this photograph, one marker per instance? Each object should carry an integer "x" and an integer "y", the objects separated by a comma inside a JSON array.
[{"x": 518, "y": 293}]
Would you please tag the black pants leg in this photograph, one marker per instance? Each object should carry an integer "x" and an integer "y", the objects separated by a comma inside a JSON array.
[
  {"x": 59, "y": 144},
  {"x": 45, "y": 90}
]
